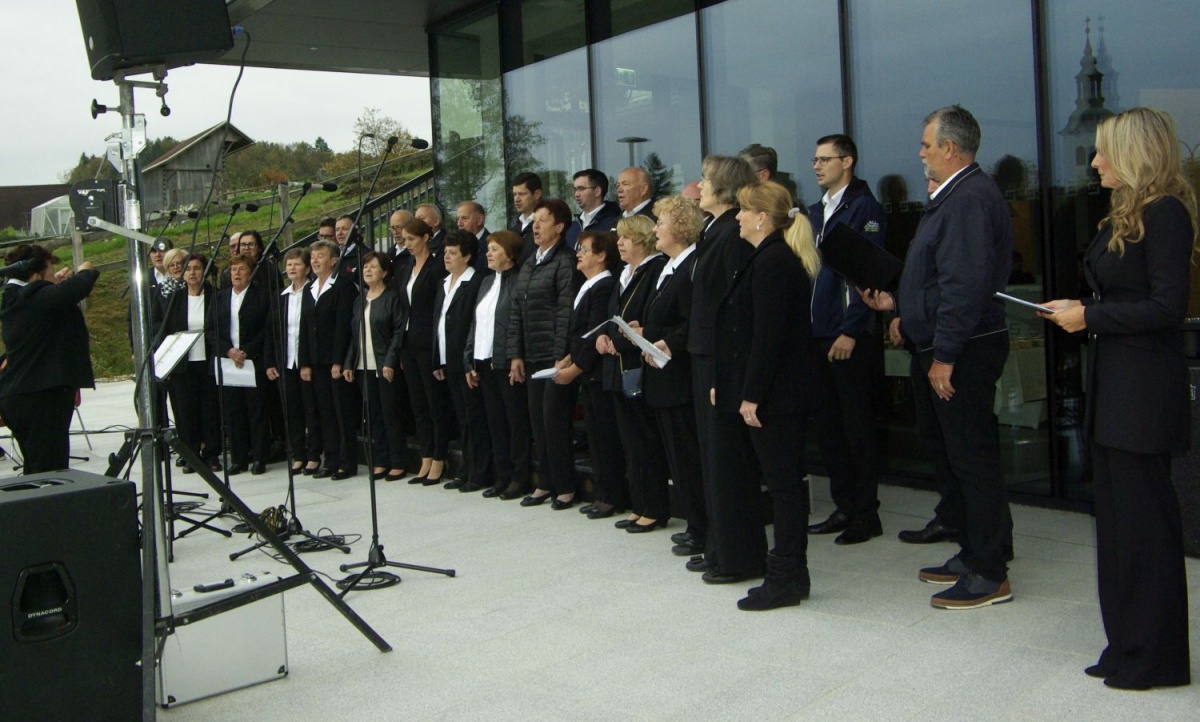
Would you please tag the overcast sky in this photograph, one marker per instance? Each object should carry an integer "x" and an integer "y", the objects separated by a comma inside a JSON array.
[{"x": 49, "y": 89}]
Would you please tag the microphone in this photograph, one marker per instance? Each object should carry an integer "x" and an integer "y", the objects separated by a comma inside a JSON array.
[
  {"x": 193, "y": 214},
  {"x": 419, "y": 143},
  {"x": 306, "y": 185},
  {"x": 392, "y": 142},
  {"x": 252, "y": 207},
  {"x": 17, "y": 269}
]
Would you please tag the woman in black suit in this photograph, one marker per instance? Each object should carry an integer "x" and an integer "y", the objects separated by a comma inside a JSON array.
[
  {"x": 376, "y": 356},
  {"x": 537, "y": 339},
  {"x": 303, "y": 423},
  {"x": 763, "y": 342},
  {"x": 190, "y": 386},
  {"x": 47, "y": 360},
  {"x": 245, "y": 422},
  {"x": 645, "y": 460},
  {"x": 454, "y": 307},
  {"x": 506, "y": 403},
  {"x": 668, "y": 390},
  {"x": 720, "y": 252},
  {"x": 597, "y": 258},
  {"x": 326, "y": 317},
  {"x": 417, "y": 284},
  {"x": 1138, "y": 267}
]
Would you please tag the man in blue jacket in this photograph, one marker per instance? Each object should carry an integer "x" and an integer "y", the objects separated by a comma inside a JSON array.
[
  {"x": 961, "y": 255},
  {"x": 848, "y": 347}
]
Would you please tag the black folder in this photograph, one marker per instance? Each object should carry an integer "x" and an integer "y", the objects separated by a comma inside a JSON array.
[{"x": 858, "y": 260}]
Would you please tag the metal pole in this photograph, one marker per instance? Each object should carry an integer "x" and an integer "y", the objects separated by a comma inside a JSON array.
[{"x": 285, "y": 212}]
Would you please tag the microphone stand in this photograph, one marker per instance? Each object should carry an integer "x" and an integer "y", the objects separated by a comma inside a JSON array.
[
  {"x": 370, "y": 577},
  {"x": 279, "y": 338}
]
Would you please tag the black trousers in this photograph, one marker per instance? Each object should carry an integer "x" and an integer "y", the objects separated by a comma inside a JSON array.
[
  {"x": 430, "y": 403},
  {"x": 348, "y": 397},
  {"x": 677, "y": 427},
  {"x": 327, "y": 415},
  {"x": 845, "y": 427},
  {"x": 735, "y": 515},
  {"x": 303, "y": 421},
  {"x": 41, "y": 424},
  {"x": 245, "y": 424},
  {"x": 962, "y": 437},
  {"x": 387, "y": 434},
  {"x": 507, "y": 409},
  {"x": 471, "y": 414},
  {"x": 197, "y": 416},
  {"x": 1140, "y": 568},
  {"x": 604, "y": 445},
  {"x": 779, "y": 446},
  {"x": 706, "y": 423},
  {"x": 645, "y": 460},
  {"x": 550, "y": 407}
]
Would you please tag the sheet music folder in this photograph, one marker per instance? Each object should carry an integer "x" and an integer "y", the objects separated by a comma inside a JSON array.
[{"x": 858, "y": 260}]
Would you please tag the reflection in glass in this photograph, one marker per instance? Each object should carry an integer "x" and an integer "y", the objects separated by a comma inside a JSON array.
[
  {"x": 550, "y": 28},
  {"x": 901, "y": 68},
  {"x": 648, "y": 103},
  {"x": 784, "y": 98},
  {"x": 466, "y": 100},
  {"x": 548, "y": 125}
]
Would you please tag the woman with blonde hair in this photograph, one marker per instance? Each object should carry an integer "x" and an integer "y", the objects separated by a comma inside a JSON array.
[
  {"x": 1138, "y": 267},
  {"x": 763, "y": 368}
]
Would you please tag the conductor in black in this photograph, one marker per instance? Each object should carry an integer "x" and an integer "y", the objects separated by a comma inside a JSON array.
[{"x": 48, "y": 358}]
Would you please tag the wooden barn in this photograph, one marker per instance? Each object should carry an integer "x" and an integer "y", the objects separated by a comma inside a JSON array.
[{"x": 181, "y": 177}]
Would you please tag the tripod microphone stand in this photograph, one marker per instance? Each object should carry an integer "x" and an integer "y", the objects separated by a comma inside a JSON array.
[{"x": 370, "y": 576}]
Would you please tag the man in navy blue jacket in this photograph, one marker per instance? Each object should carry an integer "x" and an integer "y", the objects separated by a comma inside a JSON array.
[
  {"x": 848, "y": 348},
  {"x": 955, "y": 329}
]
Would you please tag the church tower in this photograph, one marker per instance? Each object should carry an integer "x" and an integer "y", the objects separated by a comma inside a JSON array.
[{"x": 1079, "y": 134}]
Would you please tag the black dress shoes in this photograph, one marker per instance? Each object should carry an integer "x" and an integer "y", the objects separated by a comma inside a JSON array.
[
  {"x": 681, "y": 537},
  {"x": 699, "y": 564},
  {"x": 689, "y": 549},
  {"x": 602, "y": 510},
  {"x": 258, "y": 468},
  {"x": 455, "y": 484},
  {"x": 394, "y": 477},
  {"x": 309, "y": 471},
  {"x": 430, "y": 481},
  {"x": 418, "y": 479},
  {"x": 1098, "y": 671},
  {"x": 638, "y": 527},
  {"x": 860, "y": 531},
  {"x": 532, "y": 500},
  {"x": 585, "y": 508},
  {"x": 491, "y": 492},
  {"x": 561, "y": 504},
  {"x": 470, "y": 487},
  {"x": 837, "y": 521},
  {"x": 625, "y": 522},
  {"x": 235, "y": 469},
  {"x": 934, "y": 531},
  {"x": 322, "y": 473},
  {"x": 342, "y": 474},
  {"x": 514, "y": 491},
  {"x": 716, "y": 576}
]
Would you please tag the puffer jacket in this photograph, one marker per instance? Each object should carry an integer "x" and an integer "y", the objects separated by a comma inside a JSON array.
[{"x": 541, "y": 309}]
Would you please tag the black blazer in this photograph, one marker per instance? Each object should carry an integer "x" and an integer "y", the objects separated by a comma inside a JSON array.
[
  {"x": 325, "y": 324},
  {"x": 386, "y": 328},
  {"x": 720, "y": 252},
  {"x": 277, "y": 352},
  {"x": 630, "y": 305},
  {"x": 437, "y": 241},
  {"x": 499, "y": 352},
  {"x": 764, "y": 333},
  {"x": 347, "y": 262},
  {"x": 175, "y": 312},
  {"x": 45, "y": 335},
  {"x": 254, "y": 319},
  {"x": 479, "y": 261},
  {"x": 419, "y": 312},
  {"x": 604, "y": 220},
  {"x": 458, "y": 322},
  {"x": 590, "y": 313},
  {"x": 1137, "y": 379},
  {"x": 666, "y": 319},
  {"x": 528, "y": 247}
]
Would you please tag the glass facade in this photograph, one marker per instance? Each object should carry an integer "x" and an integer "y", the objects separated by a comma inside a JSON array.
[{"x": 567, "y": 84}]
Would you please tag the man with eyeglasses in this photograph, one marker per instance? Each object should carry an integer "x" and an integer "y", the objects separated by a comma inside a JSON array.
[
  {"x": 398, "y": 253},
  {"x": 848, "y": 348},
  {"x": 595, "y": 213}
]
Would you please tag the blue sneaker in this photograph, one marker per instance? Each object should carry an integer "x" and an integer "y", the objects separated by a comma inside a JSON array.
[{"x": 972, "y": 592}]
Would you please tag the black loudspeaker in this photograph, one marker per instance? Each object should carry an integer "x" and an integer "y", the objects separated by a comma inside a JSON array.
[
  {"x": 70, "y": 570},
  {"x": 1185, "y": 472},
  {"x": 137, "y": 35}
]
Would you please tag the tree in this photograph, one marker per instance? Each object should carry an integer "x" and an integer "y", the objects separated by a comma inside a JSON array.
[
  {"x": 321, "y": 146},
  {"x": 374, "y": 122},
  {"x": 662, "y": 178}
]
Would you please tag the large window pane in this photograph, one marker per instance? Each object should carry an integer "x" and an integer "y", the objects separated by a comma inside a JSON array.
[
  {"x": 907, "y": 59},
  {"x": 468, "y": 115},
  {"x": 547, "y": 129},
  {"x": 550, "y": 28},
  {"x": 785, "y": 98},
  {"x": 648, "y": 103},
  {"x": 1104, "y": 57}
]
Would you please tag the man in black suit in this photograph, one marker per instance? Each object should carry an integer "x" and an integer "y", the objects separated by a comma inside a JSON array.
[
  {"x": 595, "y": 213},
  {"x": 471, "y": 218},
  {"x": 526, "y": 194},
  {"x": 398, "y": 254},
  {"x": 432, "y": 215},
  {"x": 349, "y": 240},
  {"x": 956, "y": 332},
  {"x": 633, "y": 193},
  {"x": 48, "y": 359}
]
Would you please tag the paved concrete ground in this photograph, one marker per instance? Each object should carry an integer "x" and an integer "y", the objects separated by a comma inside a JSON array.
[{"x": 553, "y": 616}]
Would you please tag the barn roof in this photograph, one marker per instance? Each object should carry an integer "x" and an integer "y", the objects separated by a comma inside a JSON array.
[{"x": 236, "y": 140}]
